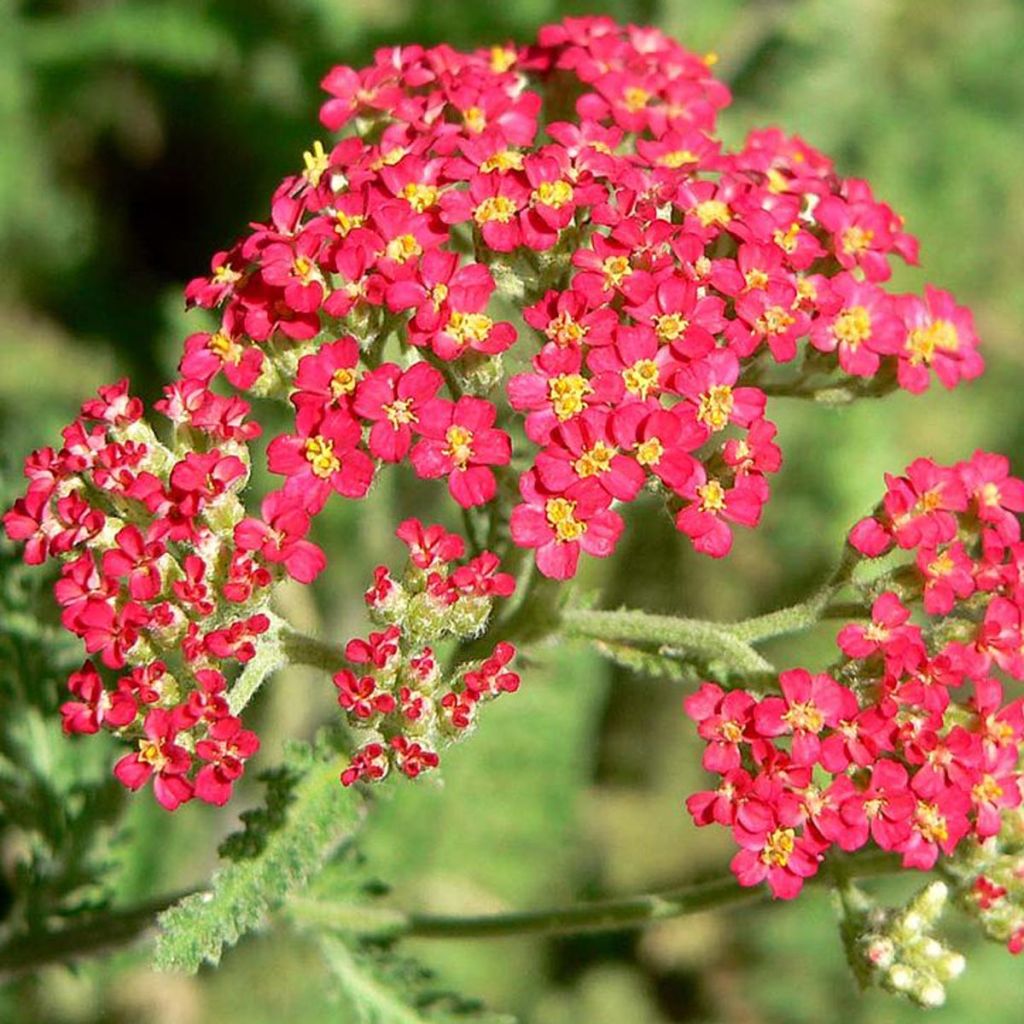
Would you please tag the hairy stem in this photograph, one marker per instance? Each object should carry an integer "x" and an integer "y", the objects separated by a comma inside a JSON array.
[
  {"x": 693, "y": 636},
  {"x": 118, "y": 928},
  {"x": 600, "y": 915}
]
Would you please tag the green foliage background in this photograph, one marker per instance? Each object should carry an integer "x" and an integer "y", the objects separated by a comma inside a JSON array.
[{"x": 138, "y": 137}]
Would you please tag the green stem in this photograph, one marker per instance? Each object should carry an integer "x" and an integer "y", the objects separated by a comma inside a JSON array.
[
  {"x": 118, "y": 928},
  {"x": 270, "y": 656},
  {"x": 108, "y": 931},
  {"x": 710, "y": 640},
  {"x": 302, "y": 649},
  {"x": 601, "y": 915}
]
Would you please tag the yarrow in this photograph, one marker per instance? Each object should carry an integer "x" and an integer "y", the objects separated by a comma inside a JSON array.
[
  {"x": 908, "y": 741},
  {"x": 651, "y": 290},
  {"x": 395, "y": 688}
]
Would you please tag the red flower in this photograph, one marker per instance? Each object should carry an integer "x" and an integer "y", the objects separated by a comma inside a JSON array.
[
  {"x": 325, "y": 458},
  {"x": 158, "y": 758},
  {"x": 459, "y": 441},
  {"x": 560, "y": 525},
  {"x": 705, "y": 519},
  {"x": 393, "y": 401},
  {"x": 226, "y": 748},
  {"x": 808, "y": 705},
  {"x": 97, "y": 706},
  {"x": 279, "y": 537}
]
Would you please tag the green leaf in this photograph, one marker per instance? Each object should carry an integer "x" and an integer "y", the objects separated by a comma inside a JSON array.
[
  {"x": 322, "y": 815},
  {"x": 382, "y": 988}
]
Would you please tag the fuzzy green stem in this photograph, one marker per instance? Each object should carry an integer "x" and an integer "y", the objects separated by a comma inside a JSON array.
[
  {"x": 602, "y": 915},
  {"x": 706, "y": 639},
  {"x": 118, "y": 928},
  {"x": 270, "y": 656},
  {"x": 302, "y": 649}
]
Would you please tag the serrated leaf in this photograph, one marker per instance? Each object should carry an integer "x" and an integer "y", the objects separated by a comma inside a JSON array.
[
  {"x": 196, "y": 930},
  {"x": 382, "y": 988}
]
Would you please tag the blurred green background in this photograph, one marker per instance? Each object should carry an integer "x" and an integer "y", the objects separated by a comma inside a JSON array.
[{"x": 136, "y": 138}]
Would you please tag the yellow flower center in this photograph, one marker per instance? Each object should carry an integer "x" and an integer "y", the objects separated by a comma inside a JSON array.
[
  {"x": 565, "y": 331},
  {"x": 438, "y": 294},
  {"x": 403, "y": 248},
  {"x": 930, "y": 822},
  {"x": 152, "y": 753},
  {"x": 616, "y": 268},
  {"x": 474, "y": 120},
  {"x": 469, "y": 327},
  {"x": 641, "y": 378},
  {"x": 805, "y": 717},
  {"x": 320, "y": 455},
  {"x": 343, "y": 382},
  {"x": 989, "y": 494},
  {"x": 678, "y": 158},
  {"x": 567, "y": 394},
  {"x": 504, "y": 160},
  {"x": 303, "y": 269},
  {"x": 713, "y": 211},
  {"x": 226, "y": 348},
  {"x": 635, "y": 99},
  {"x": 732, "y": 732},
  {"x": 923, "y": 341},
  {"x": 502, "y": 58},
  {"x": 778, "y": 847},
  {"x": 856, "y": 240},
  {"x": 988, "y": 790},
  {"x": 225, "y": 275},
  {"x": 553, "y": 193},
  {"x": 499, "y": 208},
  {"x": 852, "y": 326},
  {"x": 560, "y": 514},
  {"x": 460, "y": 445},
  {"x": 670, "y": 326},
  {"x": 400, "y": 412},
  {"x": 756, "y": 279},
  {"x": 715, "y": 406},
  {"x": 343, "y": 223},
  {"x": 649, "y": 452},
  {"x": 774, "y": 320},
  {"x": 942, "y": 566},
  {"x": 786, "y": 240},
  {"x": 420, "y": 197},
  {"x": 316, "y": 163},
  {"x": 595, "y": 460},
  {"x": 712, "y": 496}
]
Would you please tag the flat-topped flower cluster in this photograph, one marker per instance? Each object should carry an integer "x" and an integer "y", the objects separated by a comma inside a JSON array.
[
  {"x": 908, "y": 741},
  {"x": 530, "y": 271}
]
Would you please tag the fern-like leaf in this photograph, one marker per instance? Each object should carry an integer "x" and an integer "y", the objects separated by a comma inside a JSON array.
[
  {"x": 383, "y": 988},
  {"x": 322, "y": 814}
]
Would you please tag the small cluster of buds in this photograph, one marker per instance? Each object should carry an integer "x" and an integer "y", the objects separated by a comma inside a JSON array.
[
  {"x": 898, "y": 952},
  {"x": 159, "y": 578},
  {"x": 395, "y": 687},
  {"x": 910, "y": 729},
  {"x": 991, "y": 882}
]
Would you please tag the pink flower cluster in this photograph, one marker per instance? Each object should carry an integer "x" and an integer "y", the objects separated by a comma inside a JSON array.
[
  {"x": 909, "y": 741},
  {"x": 162, "y": 580},
  {"x": 663, "y": 278},
  {"x": 395, "y": 687},
  {"x": 659, "y": 283}
]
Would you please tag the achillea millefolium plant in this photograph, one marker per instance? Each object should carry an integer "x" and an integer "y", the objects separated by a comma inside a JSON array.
[{"x": 534, "y": 275}]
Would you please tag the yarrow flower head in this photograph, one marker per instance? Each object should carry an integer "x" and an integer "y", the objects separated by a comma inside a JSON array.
[
  {"x": 553, "y": 318},
  {"x": 908, "y": 741}
]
